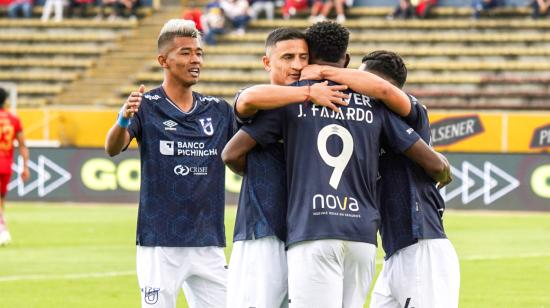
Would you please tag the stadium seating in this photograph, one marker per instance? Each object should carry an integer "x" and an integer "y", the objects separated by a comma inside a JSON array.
[{"x": 453, "y": 61}]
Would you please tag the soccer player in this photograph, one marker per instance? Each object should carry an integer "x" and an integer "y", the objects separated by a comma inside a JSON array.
[
  {"x": 332, "y": 164},
  {"x": 258, "y": 267},
  {"x": 10, "y": 130},
  {"x": 411, "y": 207},
  {"x": 181, "y": 134}
]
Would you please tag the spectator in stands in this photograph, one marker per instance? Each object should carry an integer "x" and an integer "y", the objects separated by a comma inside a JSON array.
[
  {"x": 57, "y": 5},
  {"x": 259, "y": 6},
  {"x": 119, "y": 8},
  {"x": 480, "y": 6},
  {"x": 291, "y": 7},
  {"x": 104, "y": 4},
  {"x": 238, "y": 12},
  {"x": 213, "y": 23},
  {"x": 128, "y": 8},
  {"x": 540, "y": 8},
  {"x": 424, "y": 7},
  {"x": 194, "y": 15},
  {"x": 80, "y": 5},
  {"x": 321, "y": 9},
  {"x": 20, "y": 6},
  {"x": 404, "y": 10}
]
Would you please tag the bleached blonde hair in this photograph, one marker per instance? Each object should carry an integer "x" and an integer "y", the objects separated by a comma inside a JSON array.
[{"x": 176, "y": 28}]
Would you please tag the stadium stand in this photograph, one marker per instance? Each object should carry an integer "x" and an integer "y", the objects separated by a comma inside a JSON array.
[{"x": 496, "y": 62}]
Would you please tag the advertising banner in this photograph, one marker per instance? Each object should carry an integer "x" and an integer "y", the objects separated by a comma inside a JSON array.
[{"x": 481, "y": 181}]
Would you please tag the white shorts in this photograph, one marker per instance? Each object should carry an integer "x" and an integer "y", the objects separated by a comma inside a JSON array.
[
  {"x": 200, "y": 271},
  {"x": 330, "y": 273},
  {"x": 258, "y": 274},
  {"x": 423, "y": 275}
]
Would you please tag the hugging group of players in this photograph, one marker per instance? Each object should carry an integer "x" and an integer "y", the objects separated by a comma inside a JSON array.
[{"x": 330, "y": 156}]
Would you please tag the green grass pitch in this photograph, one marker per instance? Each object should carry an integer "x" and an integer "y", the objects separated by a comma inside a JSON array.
[{"x": 84, "y": 256}]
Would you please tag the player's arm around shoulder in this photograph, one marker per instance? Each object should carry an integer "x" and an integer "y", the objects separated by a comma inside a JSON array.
[
  {"x": 118, "y": 136},
  {"x": 362, "y": 82},
  {"x": 434, "y": 163},
  {"x": 267, "y": 97}
]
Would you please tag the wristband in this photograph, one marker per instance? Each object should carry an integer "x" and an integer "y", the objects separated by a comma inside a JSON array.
[{"x": 122, "y": 121}]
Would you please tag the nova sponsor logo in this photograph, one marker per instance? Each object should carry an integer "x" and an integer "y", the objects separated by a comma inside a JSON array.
[
  {"x": 452, "y": 130},
  {"x": 541, "y": 137},
  {"x": 184, "y": 170},
  {"x": 335, "y": 206},
  {"x": 169, "y": 125}
]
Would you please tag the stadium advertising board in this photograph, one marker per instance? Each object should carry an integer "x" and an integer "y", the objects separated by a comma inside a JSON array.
[
  {"x": 472, "y": 132},
  {"x": 481, "y": 181},
  {"x": 491, "y": 132}
]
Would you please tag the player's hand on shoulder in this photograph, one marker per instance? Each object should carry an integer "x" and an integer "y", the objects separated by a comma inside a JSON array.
[
  {"x": 329, "y": 96},
  {"x": 312, "y": 72},
  {"x": 133, "y": 103}
]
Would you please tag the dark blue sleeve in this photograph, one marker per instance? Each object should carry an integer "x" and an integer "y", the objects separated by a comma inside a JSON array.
[
  {"x": 267, "y": 127},
  {"x": 232, "y": 120},
  {"x": 418, "y": 119},
  {"x": 399, "y": 136},
  {"x": 240, "y": 120}
]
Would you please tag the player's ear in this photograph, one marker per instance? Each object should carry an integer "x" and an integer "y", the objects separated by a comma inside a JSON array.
[
  {"x": 162, "y": 61},
  {"x": 267, "y": 64},
  {"x": 347, "y": 60}
]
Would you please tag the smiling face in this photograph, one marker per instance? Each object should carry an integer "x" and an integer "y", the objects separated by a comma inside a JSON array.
[
  {"x": 285, "y": 61},
  {"x": 182, "y": 60}
]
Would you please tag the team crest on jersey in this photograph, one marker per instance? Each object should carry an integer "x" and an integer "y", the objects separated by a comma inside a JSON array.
[
  {"x": 207, "y": 126},
  {"x": 150, "y": 295}
]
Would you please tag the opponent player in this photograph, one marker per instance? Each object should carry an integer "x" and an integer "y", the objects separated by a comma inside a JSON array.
[
  {"x": 331, "y": 171},
  {"x": 258, "y": 267},
  {"x": 412, "y": 209},
  {"x": 10, "y": 130},
  {"x": 181, "y": 134}
]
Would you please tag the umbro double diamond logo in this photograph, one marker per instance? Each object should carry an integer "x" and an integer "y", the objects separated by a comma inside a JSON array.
[{"x": 170, "y": 125}]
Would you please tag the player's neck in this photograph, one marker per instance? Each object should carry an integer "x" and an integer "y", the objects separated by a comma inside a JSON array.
[{"x": 179, "y": 94}]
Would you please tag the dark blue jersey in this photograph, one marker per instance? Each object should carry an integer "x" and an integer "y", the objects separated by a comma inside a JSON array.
[
  {"x": 262, "y": 201},
  {"x": 332, "y": 164},
  {"x": 410, "y": 204},
  {"x": 182, "y": 175}
]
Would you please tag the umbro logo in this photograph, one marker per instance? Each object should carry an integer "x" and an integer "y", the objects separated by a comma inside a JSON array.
[{"x": 170, "y": 125}]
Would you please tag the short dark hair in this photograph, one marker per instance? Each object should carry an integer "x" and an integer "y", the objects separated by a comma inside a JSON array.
[
  {"x": 327, "y": 41},
  {"x": 387, "y": 63},
  {"x": 3, "y": 96},
  {"x": 283, "y": 34}
]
